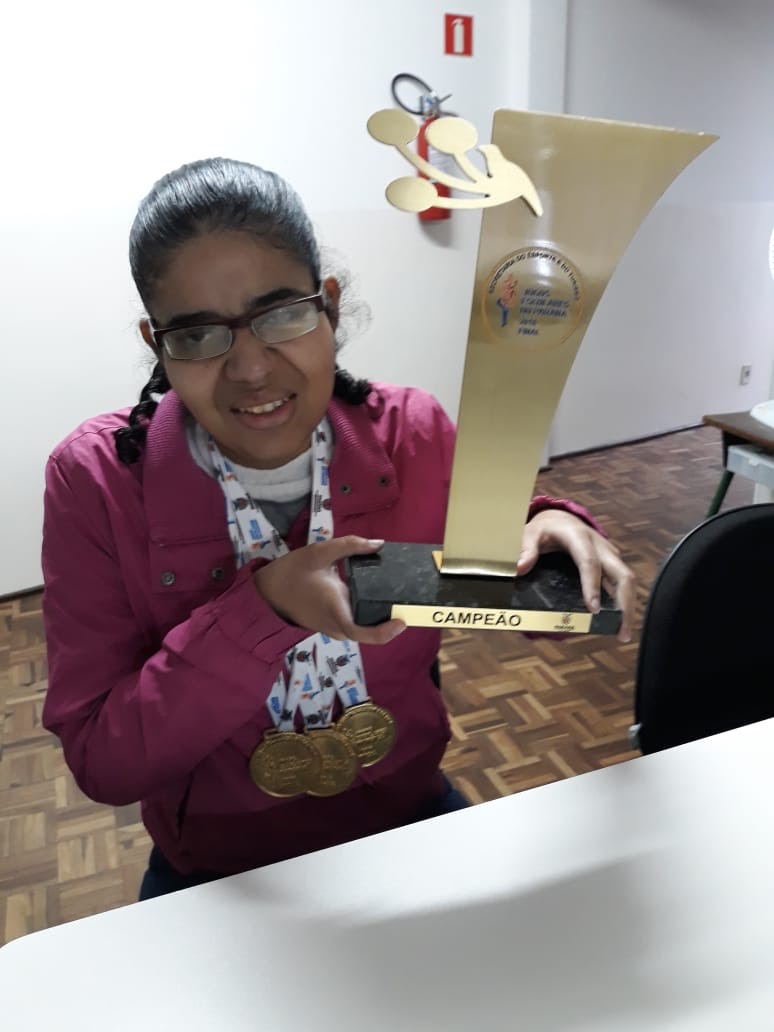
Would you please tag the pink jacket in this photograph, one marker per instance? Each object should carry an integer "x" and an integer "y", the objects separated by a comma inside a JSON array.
[{"x": 161, "y": 654}]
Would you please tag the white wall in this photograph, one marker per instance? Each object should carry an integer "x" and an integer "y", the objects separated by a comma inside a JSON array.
[
  {"x": 108, "y": 98},
  {"x": 692, "y": 299}
]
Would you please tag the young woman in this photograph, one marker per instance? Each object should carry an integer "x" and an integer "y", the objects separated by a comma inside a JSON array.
[{"x": 202, "y": 653}]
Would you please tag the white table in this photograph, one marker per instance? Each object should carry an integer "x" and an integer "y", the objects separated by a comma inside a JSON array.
[{"x": 637, "y": 897}]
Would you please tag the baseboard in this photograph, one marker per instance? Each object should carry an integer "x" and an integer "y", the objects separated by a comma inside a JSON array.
[
  {"x": 624, "y": 442},
  {"x": 20, "y": 594}
]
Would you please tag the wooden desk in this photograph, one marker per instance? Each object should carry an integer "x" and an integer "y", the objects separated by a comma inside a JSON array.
[
  {"x": 631, "y": 899},
  {"x": 737, "y": 428}
]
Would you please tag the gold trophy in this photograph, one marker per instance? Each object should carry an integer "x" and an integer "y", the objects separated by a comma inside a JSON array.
[{"x": 563, "y": 198}]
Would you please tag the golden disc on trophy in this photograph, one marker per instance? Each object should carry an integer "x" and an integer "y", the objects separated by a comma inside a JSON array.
[
  {"x": 371, "y": 731},
  {"x": 285, "y": 764},
  {"x": 338, "y": 766}
]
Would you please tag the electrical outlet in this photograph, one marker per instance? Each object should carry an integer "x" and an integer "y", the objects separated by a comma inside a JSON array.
[{"x": 744, "y": 375}]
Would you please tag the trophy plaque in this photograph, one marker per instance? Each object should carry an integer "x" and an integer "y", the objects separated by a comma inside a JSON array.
[{"x": 563, "y": 197}]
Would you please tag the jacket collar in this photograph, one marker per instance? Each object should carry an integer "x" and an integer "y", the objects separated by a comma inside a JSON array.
[
  {"x": 363, "y": 477},
  {"x": 184, "y": 504}
]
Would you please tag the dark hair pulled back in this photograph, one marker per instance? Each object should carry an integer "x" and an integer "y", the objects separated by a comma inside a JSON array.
[{"x": 214, "y": 195}]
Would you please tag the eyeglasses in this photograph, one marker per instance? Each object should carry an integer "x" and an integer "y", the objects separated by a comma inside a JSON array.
[{"x": 276, "y": 326}]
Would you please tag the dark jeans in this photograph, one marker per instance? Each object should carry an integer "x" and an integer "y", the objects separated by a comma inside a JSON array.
[{"x": 161, "y": 877}]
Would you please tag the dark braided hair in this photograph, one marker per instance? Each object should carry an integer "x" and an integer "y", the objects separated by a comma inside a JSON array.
[
  {"x": 130, "y": 439},
  {"x": 213, "y": 195}
]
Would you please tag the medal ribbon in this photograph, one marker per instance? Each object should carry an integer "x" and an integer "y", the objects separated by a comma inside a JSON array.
[{"x": 319, "y": 667}]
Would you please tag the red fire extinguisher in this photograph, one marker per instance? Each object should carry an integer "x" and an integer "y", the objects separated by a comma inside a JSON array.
[{"x": 438, "y": 160}]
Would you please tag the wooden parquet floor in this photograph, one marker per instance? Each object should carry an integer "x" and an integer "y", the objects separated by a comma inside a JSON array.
[{"x": 524, "y": 713}]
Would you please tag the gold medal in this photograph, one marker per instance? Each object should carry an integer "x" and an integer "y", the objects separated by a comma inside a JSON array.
[
  {"x": 285, "y": 764},
  {"x": 339, "y": 764},
  {"x": 370, "y": 729}
]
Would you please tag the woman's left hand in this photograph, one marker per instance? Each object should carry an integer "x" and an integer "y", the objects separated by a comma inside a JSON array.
[{"x": 599, "y": 562}]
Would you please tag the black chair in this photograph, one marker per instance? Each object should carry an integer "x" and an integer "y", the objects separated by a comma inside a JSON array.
[{"x": 706, "y": 659}]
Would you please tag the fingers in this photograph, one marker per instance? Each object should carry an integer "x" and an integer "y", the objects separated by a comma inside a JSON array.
[
  {"x": 590, "y": 569},
  {"x": 382, "y": 634},
  {"x": 619, "y": 581},
  {"x": 304, "y": 588},
  {"x": 342, "y": 625},
  {"x": 559, "y": 530},
  {"x": 328, "y": 553},
  {"x": 597, "y": 559},
  {"x": 606, "y": 570},
  {"x": 529, "y": 556}
]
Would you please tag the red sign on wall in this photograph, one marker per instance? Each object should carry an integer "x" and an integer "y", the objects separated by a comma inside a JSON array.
[{"x": 459, "y": 35}]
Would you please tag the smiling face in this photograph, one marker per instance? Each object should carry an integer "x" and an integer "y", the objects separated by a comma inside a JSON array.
[{"x": 260, "y": 402}]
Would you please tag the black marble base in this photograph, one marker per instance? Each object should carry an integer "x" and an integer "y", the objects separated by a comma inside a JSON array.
[{"x": 406, "y": 574}]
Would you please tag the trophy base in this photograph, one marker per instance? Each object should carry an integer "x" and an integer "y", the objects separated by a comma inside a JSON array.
[{"x": 402, "y": 581}]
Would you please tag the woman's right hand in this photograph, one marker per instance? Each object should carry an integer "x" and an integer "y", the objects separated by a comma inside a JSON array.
[{"x": 304, "y": 588}]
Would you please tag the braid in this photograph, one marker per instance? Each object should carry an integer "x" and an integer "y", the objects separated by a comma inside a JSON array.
[
  {"x": 130, "y": 439},
  {"x": 350, "y": 389}
]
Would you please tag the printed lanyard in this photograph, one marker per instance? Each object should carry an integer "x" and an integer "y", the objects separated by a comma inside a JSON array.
[{"x": 318, "y": 668}]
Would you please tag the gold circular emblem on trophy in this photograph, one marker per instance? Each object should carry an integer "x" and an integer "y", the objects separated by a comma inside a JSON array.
[
  {"x": 371, "y": 731},
  {"x": 285, "y": 764},
  {"x": 533, "y": 299},
  {"x": 338, "y": 766}
]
